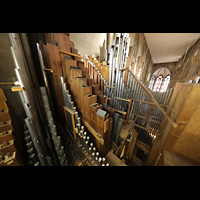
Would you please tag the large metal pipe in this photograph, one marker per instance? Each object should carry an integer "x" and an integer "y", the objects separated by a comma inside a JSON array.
[
  {"x": 29, "y": 102},
  {"x": 115, "y": 120},
  {"x": 118, "y": 130}
]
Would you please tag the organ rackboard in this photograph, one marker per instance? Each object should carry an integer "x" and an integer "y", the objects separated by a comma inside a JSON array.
[{"x": 8, "y": 151}]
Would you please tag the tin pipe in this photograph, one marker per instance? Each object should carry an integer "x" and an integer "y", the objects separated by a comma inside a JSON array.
[{"x": 118, "y": 130}]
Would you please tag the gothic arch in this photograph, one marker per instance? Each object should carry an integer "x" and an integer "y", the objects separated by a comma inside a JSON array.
[
  {"x": 160, "y": 79},
  {"x": 164, "y": 70}
]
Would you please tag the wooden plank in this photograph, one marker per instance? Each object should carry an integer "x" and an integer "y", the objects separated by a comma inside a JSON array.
[
  {"x": 122, "y": 112},
  {"x": 77, "y": 58},
  {"x": 84, "y": 90},
  {"x": 62, "y": 41},
  {"x": 3, "y": 107},
  {"x": 153, "y": 154},
  {"x": 6, "y": 147},
  {"x": 113, "y": 160},
  {"x": 98, "y": 93},
  {"x": 49, "y": 38},
  {"x": 123, "y": 99},
  {"x": 6, "y": 136},
  {"x": 2, "y": 96},
  {"x": 80, "y": 64},
  {"x": 142, "y": 127},
  {"x": 72, "y": 54},
  {"x": 53, "y": 61},
  {"x": 128, "y": 111},
  {"x": 74, "y": 73},
  {"x": 93, "y": 132},
  {"x": 66, "y": 63},
  {"x": 88, "y": 100},
  {"x": 78, "y": 83},
  {"x": 106, "y": 125},
  {"x": 17, "y": 89},
  {"x": 90, "y": 82},
  {"x": 93, "y": 109},
  {"x": 7, "y": 83},
  {"x": 102, "y": 99},
  {"x": 69, "y": 116},
  {"x": 95, "y": 88},
  {"x": 5, "y": 117},
  {"x": 71, "y": 45},
  {"x": 106, "y": 74},
  {"x": 48, "y": 70},
  {"x": 95, "y": 77},
  {"x": 150, "y": 103},
  {"x": 12, "y": 160},
  {"x": 5, "y": 126},
  {"x": 147, "y": 118},
  {"x": 173, "y": 160},
  {"x": 102, "y": 86},
  {"x": 126, "y": 72},
  {"x": 126, "y": 129},
  {"x": 107, "y": 139},
  {"x": 85, "y": 72},
  {"x": 100, "y": 124}
]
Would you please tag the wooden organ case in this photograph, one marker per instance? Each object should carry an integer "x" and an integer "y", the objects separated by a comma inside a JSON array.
[{"x": 179, "y": 146}]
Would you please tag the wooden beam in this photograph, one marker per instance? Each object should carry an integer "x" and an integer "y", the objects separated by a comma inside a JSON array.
[
  {"x": 129, "y": 100},
  {"x": 73, "y": 54},
  {"x": 72, "y": 113},
  {"x": 150, "y": 103},
  {"x": 147, "y": 118},
  {"x": 128, "y": 112},
  {"x": 50, "y": 70},
  {"x": 17, "y": 89},
  {"x": 142, "y": 127},
  {"x": 123, "y": 113},
  {"x": 113, "y": 160},
  {"x": 7, "y": 83},
  {"x": 92, "y": 131}
]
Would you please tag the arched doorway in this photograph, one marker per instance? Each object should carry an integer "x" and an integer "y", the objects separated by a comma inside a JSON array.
[{"x": 160, "y": 80}]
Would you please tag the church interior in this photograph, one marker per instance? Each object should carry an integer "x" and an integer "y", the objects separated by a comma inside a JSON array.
[{"x": 100, "y": 99}]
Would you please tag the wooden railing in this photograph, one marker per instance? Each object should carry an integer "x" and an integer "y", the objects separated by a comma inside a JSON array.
[{"x": 152, "y": 98}]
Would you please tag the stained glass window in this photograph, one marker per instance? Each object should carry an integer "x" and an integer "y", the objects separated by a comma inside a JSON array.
[
  {"x": 158, "y": 83},
  {"x": 165, "y": 84},
  {"x": 151, "y": 82},
  {"x": 160, "y": 80}
]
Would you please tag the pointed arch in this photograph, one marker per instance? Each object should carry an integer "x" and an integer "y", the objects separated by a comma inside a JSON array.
[{"x": 160, "y": 80}]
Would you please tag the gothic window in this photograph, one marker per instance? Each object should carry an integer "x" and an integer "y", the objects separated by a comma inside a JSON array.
[
  {"x": 158, "y": 84},
  {"x": 151, "y": 82},
  {"x": 165, "y": 84},
  {"x": 160, "y": 80}
]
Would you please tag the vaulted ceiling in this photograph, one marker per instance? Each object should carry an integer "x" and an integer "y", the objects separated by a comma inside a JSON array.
[{"x": 169, "y": 47}]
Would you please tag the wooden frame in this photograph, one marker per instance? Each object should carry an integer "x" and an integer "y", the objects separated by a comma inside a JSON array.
[
  {"x": 72, "y": 114},
  {"x": 152, "y": 98}
]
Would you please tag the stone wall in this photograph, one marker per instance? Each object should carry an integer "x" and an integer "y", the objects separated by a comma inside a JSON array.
[
  {"x": 186, "y": 69},
  {"x": 141, "y": 60}
]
